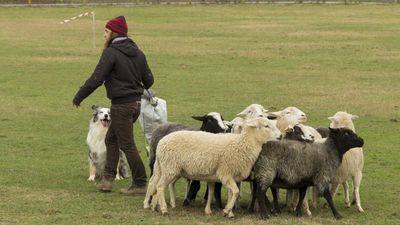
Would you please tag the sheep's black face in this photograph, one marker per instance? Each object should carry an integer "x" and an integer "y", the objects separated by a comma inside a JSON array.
[
  {"x": 295, "y": 134},
  {"x": 345, "y": 139},
  {"x": 212, "y": 122},
  {"x": 298, "y": 134}
]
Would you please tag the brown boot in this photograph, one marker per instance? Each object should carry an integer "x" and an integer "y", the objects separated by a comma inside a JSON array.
[
  {"x": 134, "y": 190},
  {"x": 104, "y": 185}
]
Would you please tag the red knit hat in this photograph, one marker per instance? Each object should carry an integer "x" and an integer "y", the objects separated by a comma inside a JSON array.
[{"x": 118, "y": 25}]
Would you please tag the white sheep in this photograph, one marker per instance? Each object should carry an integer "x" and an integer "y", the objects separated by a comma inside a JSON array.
[
  {"x": 252, "y": 111},
  {"x": 225, "y": 158},
  {"x": 352, "y": 164}
]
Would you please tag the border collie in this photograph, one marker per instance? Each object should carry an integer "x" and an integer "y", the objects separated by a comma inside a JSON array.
[{"x": 98, "y": 127}]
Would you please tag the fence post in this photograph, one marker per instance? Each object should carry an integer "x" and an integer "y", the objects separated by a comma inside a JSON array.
[{"x": 29, "y": 2}]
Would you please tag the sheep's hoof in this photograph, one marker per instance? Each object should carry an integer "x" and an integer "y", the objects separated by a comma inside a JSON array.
[
  {"x": 228, "y": 213},
  {"x": 299, "y": 214},
  {"x": 347, "y": 204},
  {"x": 146, "y": 205},
  {"x": 208, "y": 212},
  {"x": 231, "y": 215},
  {"x": 154, "y": 208},
  {"x": 360, "y": 209},
  {"x": 164, "y": 212},
  {"x": 264, "y": 216},
  {"x": 173, "y": 205},
  {"x": 338, "y": 216},
  {"x": 186, "y": 202},
  {"x": 275, "y": 212}
]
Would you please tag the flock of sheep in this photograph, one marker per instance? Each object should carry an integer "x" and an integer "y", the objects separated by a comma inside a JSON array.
[{"x": 269, "y": 149}]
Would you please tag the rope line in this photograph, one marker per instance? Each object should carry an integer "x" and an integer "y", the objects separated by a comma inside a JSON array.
[{"x": 76, "y": 17}]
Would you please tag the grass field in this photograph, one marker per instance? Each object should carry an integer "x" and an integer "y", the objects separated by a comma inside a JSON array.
[{"x": 320, "y": 58}]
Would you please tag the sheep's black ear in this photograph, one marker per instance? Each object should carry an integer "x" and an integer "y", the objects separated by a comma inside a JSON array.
[
  {"x": 333, "y": 130},
  {"x": 199, "y": 118}
]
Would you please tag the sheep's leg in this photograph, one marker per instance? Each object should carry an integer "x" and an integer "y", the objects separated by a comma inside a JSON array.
[
  {"x": 186, "y": 201},
  {"x": 356, "y": 192},
  {"x": 164, "y": 181},
  {"x": 334, "y": 187},
  {"x": 315, "y": 197},
  {"x": 275, "y": 199},
  {"x": 291, "y": 199},
  {"x": 211, "y": 187},
  {"x": 328, "y": 198},
  {"x": 172, "y": 193},
  {"x": 154, "y": 202},
  {"x": 288, "y": 197},
  {"x": 299, "y": 207},
  {"x": 152, "y": 187},
  {"x": 346, "y": 194},
  {"x": 191, "y": 194},
  {"x": 231, "y": 184},
  {"x": 263, "y": 202},
  {"x": 306, "y": 208},
  {"x": 217, "y": 195},
  {"x": 250, "y": 208},
  {"x": 237, "y": 202}
]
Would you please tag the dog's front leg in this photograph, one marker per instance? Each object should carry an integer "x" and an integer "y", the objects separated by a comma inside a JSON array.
[{"x": 92, "y": 171}]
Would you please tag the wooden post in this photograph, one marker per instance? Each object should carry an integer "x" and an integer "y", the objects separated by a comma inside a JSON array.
[
  {"x": 29, "y": 2},
  {"x": 94, "y": 29}
]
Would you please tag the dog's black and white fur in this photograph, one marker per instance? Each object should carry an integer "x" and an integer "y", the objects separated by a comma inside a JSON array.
[{"x": 98, "y": 127}]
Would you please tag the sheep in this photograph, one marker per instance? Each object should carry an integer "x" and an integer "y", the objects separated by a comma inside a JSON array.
[
  {"x": 297, "y": 133},
  {"x": 295, "y": 165},
  {"x": 225, "y": 158},
  {"x": 235, "y": 126},
  {"x": 285, "y": 118},
  {"x": 211, "y": 122},
  {"x": 252, "y": 111},
  {"x": 352, "y": 165}
]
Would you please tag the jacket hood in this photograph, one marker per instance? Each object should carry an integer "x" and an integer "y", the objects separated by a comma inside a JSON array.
[{"x": 125, "y": 45}]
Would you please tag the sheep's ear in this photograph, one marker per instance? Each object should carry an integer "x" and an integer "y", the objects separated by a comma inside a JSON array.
[
  {"x": 242, "y": 113},
  {"x": 354, "y": 117},
  {"x": 228, "y": 123},
  {"x": 289, "y": 129},
  {"x": 332, "y": 118},
  {"x": 333, "y": 130},
  {"x": 252, "y": 123},
  {"x": 199, "y": 118},
  {"x": 274, "y": 115},
  {"x": 95, "y": 107}
]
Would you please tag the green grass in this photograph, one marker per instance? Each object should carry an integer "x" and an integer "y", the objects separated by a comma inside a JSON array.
[{"x": 320, "y": 58}]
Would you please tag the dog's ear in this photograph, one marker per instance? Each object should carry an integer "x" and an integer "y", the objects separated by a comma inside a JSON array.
[{"x": 95, "y": 112}]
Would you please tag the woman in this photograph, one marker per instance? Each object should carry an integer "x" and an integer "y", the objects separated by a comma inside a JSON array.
[{"x": 124, "y": 71}]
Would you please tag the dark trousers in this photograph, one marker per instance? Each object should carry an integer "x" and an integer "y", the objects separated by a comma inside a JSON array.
[{"x": 120, "y": 136}]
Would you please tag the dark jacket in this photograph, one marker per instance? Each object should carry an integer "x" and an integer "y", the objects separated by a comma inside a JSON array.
[{"x": 124, "y": 71}]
